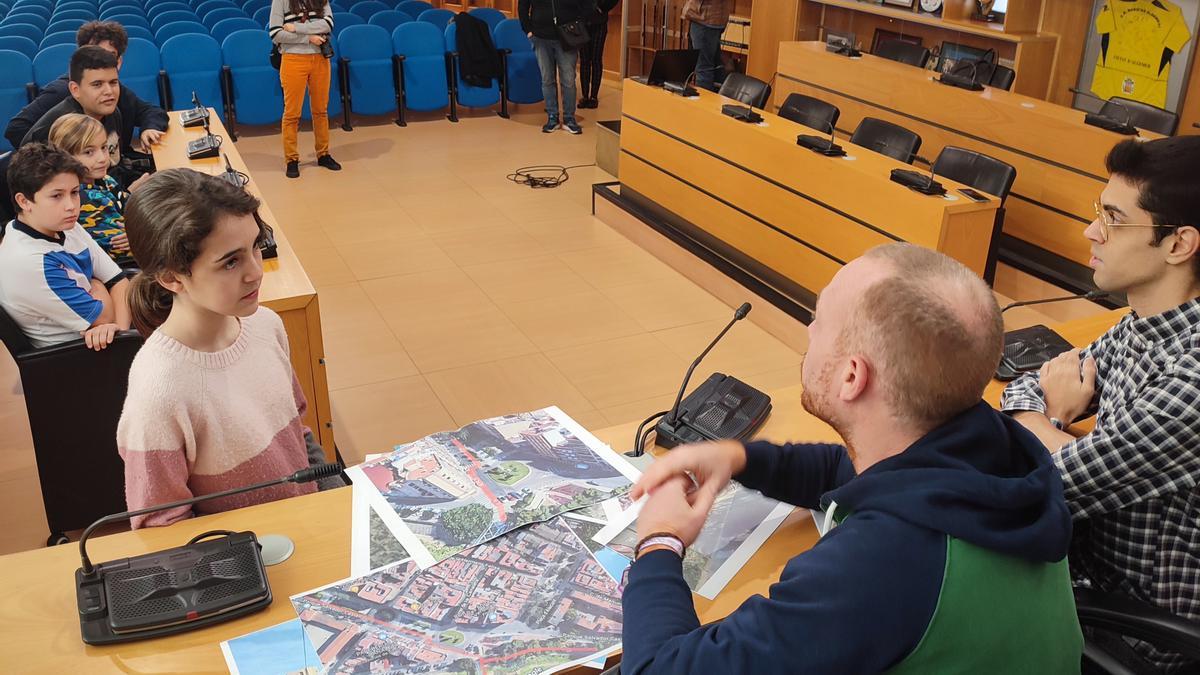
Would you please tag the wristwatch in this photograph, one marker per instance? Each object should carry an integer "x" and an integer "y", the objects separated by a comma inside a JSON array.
[
  {"x": 1058, "y": 424},
  {"x": 660, "y": 539}
]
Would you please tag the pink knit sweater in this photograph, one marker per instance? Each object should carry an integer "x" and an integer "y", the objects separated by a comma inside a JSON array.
[{"x": 195, "y": 423}]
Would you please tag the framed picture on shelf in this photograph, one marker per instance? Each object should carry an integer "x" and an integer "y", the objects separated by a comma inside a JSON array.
[{"x": 907, "y": 4}]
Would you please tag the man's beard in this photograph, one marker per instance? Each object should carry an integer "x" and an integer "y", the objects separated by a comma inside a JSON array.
[{"x": 819, "y": 407}]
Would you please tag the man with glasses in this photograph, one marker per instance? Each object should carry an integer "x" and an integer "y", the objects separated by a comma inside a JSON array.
[{"x": 1132, "y": 483}]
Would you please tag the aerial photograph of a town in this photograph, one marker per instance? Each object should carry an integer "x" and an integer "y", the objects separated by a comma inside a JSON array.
[{"x": 527, "y": 602}]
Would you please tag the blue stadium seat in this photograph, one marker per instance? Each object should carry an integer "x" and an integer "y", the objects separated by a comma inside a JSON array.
[
  {"x": 219, "y": 14},
  {"x": 252, "y": 6},
  {"x": 336, "y": 8},
  {"x": 224, "y": 29},
  {"x": 50, "y": 63},
  {"x": 174, "y": 16},
  {"x": 81, "y": 14},
  {"x": 22, "y": 45},
  {"x": 156, "y": 8},
  {"x": 251, "y": 84},
  {"x": 178, "y": 28},
  {"x": 413, "y": 8},
  {"x": 66, "y": 37},
  {"x": 262, "y": 17},
  {"x": 27, "y": 31},
  {"x": 438, "y": 17},
  {"x": 139, "y": 32},
  {"x": 388, "y": 20},
  {"x": 521, "y": 67},
  {"x": 41, "y": 14},
  {"x": 33, "y": 21},
  {"x": 491, "y": 16},
  {"x": 365, "y": 66},
  {"x": 76, "y": 4},
  {"x": 364, "y": 9},
  {"x": 421, "y": 54},
  {"x": 112, "y": 12},
  {"x": 129, "y": 20},
  {"x": 108, "y": 6},
  {"x": 208, "y": 5},
  {"x": 193, "y": 64},
  {"x": 468, "y": 95},
  {"x": 64, "y": 25},
  {"x": 16, "y": 71},
  {"x": 343, "y": 20},
  {"x": 140, "y": 68}
]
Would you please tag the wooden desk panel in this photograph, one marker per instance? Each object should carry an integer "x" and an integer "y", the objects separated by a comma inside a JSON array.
[
  {"x": 1059, "y": 159},
  {"x": 798, "y": 213},
  {"x": 286, "y": 288}
]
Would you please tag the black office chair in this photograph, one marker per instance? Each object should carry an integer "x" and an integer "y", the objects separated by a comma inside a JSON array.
[
  {"x": 887, "y": 139},
  {"x": 904, "y": 52},
  {"x": 74, "y": 433},
  {"x": 1126, "y": 616},
  {"x": 811, "y": 112},
  {"x": 985, "y": 174},
  {"x": 1141, "y": 115},
  {"x": 749, "y": 90}
]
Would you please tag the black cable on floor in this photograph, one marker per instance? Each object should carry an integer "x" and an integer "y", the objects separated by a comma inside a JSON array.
[{"x": 529, "y": 175}]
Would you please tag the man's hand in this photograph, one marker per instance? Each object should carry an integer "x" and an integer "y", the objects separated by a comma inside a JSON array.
[
  {"x": 151, "y": 137},
  {"x": 99, "y": 337},
  {"x": 317, "y": 40},
  {"x": 1068, "y": 387},
  {"x": 673, "y": 509},
  {"x": 119, "y": 242},
  {"x": 141, "y": 180},
  {"x": 711, "y": 464}
]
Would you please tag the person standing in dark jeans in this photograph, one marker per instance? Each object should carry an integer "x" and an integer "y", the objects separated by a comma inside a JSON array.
[
  {"x": 591, "y": 60},
  {"x": 707, "y": 19},
  {"x": 540, "y": 20}
]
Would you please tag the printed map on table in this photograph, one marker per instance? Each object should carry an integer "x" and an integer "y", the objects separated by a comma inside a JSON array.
[
  {"x": 372, "y": 544},
  {"x": 531, "y": 601},
  {"x": 454, "y": 490},
  {"x": 739, "y": 523}
]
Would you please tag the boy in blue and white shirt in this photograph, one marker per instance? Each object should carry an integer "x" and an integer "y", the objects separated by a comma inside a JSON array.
[{"x": 56, "y": 283}]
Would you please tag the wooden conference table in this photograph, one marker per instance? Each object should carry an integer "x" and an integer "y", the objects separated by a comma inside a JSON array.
[
  {"x": 39, "y": 629},
  {"x": 286, "y": 288},
  {"x": 787, "y": 215},
  {"x": 1059, "y": 159}
]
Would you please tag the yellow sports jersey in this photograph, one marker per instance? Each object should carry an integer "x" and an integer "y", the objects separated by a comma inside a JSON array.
[{"x": 1133, "y": 61}]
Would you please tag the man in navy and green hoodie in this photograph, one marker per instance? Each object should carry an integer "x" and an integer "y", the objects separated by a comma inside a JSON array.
[{"x": 947, "y": 552}]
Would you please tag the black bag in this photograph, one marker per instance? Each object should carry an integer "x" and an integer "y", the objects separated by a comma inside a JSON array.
[
  {"x": 572, "y": 34},
  {"x": 276, "y": 56}
]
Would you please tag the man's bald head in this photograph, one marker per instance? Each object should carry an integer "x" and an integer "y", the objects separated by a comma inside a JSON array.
[{"x": 932, "y": 328}]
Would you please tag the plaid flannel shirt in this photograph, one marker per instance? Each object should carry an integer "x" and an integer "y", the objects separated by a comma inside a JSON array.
[{"x": 1132, "y": 483}]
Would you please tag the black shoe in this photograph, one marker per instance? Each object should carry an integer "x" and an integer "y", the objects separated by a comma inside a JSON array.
[
  {"x": 329, "y": 162},
  {"x": 293, "y": 169},
  {"x": 590, "y": 103},
  {"x": 572, "y": 126}
]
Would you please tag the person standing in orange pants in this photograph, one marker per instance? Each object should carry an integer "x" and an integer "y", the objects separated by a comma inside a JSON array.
[{"x": 301, "y": 29}]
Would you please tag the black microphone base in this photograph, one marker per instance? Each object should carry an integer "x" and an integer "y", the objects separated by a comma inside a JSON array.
[
  {"x": 172, "y": 591},
  {"x": 1025, "y": 351},
  {"x": 743, "y": 113},
  {"x": 205, "y": 147},
  {"x": 193, "y": 118},
  {"x": 918, "y": 182},
  {"x": 680, "y": 88},
  {"x": 961, "y": 82},
  {"x": 821, "y": 146},
  {"x": 1109, "y": 124},
  {"x": 722, "y": 407}
]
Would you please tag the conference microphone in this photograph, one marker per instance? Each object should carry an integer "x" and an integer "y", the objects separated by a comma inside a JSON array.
[
  {"x": 196, "y": 116},
  {"x": 685, "y": 90},
  {"x": 917, "y": 181},
  {"x": 822, "y": 146},
  {"x": 207, "y": 581},
  {"x": 721, "y": 407},
  {"x": 1026, "y": 349},
  {"x": 961, "y": 81},
  {"x": 205, "y": 147},
  {"x": 1104, "y": 121}
]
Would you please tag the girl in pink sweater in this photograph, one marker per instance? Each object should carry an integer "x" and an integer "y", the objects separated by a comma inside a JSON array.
[{"x": 213, "y": 402}]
